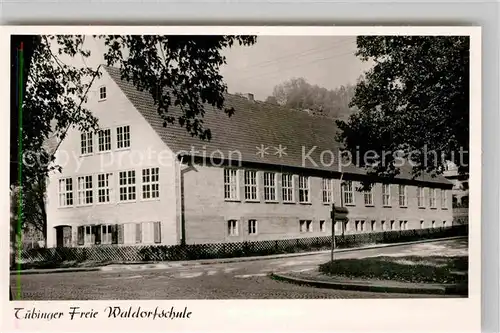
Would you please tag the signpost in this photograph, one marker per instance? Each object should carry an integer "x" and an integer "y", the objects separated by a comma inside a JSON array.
[{"x": 337, "y": 214}]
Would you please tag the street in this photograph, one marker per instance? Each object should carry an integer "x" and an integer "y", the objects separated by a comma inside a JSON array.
[{"x": 240, "y": 280}]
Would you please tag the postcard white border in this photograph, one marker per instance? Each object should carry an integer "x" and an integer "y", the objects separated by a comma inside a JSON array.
[{"x": 416, "y": 315}]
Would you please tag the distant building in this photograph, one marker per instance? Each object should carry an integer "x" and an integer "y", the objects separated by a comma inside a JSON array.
[
  {"x": 460, "y": 195},
  {"x": 267, "y": 174}
]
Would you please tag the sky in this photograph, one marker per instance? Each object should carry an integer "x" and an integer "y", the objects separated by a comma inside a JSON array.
[{"x": 327, "y": 61}]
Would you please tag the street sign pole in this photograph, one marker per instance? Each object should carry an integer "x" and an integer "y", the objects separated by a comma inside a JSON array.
[{"x": 333, "y": 230}]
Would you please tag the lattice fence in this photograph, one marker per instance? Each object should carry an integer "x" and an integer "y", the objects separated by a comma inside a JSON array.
[{"x": 116, "y": 253}]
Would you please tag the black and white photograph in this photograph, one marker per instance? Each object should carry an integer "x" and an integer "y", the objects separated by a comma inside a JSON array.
[{"x": 197, "y": 166}]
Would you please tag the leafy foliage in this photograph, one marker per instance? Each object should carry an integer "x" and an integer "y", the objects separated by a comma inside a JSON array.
[
  {"x": 297, "y": 93},
  {"x": 413, "y": 104},
  {"x": 176, "y": 70}
]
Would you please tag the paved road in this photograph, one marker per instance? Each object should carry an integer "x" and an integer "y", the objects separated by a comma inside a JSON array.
[{"x": 244, "y": 280}]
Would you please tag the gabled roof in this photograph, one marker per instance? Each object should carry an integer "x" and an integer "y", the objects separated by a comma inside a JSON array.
[{"x": 255, "y": 124}]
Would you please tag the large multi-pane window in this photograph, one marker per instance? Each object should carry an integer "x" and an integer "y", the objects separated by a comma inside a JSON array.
[
  {"x": 104, "y": 140},
  {"x": 127, "y": 185},
  {"x": 287, "y": 187},
  {"x": 270, "y": 187},
  {"x": 348, "y": 192},
  {"x": 386, "y": 194},
  {"x": 104, "y": 186},
  {"x": 231, "y": 184},
  {"x": 327, "y": 190},
  {"x": 250, "y": 185},
  {"x": 432, "y": 197},
  {"x": 368, "y": 196},
  {"x": 304, "y": 189},
  {"x": 86, "y": 143},
  {"x": 403, "y": 199},
  {"x": 123, "y": 137},
  {"x": 150, "y": 183},
  {"x": 85, "y": 190},
  {"x": 444, "y": 199},
  {"x": 65, "y": 192},
  {"x": 421, "y": 196}
]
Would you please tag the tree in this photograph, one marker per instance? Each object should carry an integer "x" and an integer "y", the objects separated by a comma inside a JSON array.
[
  {"x": 297, "y": 93},
  {"x": 413, "y": 104},
  {"x": 50, "y": 95}
]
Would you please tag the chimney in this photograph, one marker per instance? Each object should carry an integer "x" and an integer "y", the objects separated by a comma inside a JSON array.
[{"x": 249, "y": 96}]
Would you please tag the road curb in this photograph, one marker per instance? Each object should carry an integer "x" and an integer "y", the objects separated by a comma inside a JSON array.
[
  {"x": 430, "y": 290},
  {"x": 173, "y": 264}
]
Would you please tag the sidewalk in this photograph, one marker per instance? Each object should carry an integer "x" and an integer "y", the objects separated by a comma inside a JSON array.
[{"x": 112, "y": 266}]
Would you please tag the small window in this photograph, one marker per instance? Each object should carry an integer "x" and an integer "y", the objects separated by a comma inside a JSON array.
[
  {"x": 433, "y": 224},
  {"x": 444, "y": 199},
  {"x": 444, "y": 224},
  {"x": 421, "y": 196},
  {"x": 392, "y": 225},
  {"x": 232, "y": 228},
  {"x": 305, "y": 226},
  {"x": 359, "y": 225},
  {"x": 401, "y": 225},
  {"x": 102, "y": 93},
  {"x": 89, "y": 235},
  {"x": 383, "y": 225},
  {"x": 123, "y": 137},
  {"x": 322, "y": 226},
  {"x": 252, "y": 227},
  {"x": 422, "y": 226},
  {"x": 432, "y": 197},
  {"x": 374, "y": 226}
]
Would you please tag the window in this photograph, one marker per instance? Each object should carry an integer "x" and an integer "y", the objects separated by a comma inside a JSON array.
[
  {"x": 359, "y": 225},
  {"x": 444, "y": 224},
  {"x": 401, "y": 225},
  {"x": 392, "y": 225},
  {"x": 403, "y": 199},
  {"x": 433, "y": 224},
  {"x": 129, "y": 233},
  {"x": 104, "y": 140},
  {"x": 232, "y": 228},
  {"x": 270, "y": 187},
  {"x": 89, "y": 235},
  {"x": 231, "y": 184},
  {"x": 106, "y": 234},
  {"x": 305, "y": 226},
  {"x": 150, "y": 183},
  {"x": 432, "y": 197},
  {"x": 374, "y": 226},
  {"x": 322, "y": 226},
  {"x": 65, "y": 192},
  {"x": 348, "y": 193},
  {"x": 287, "y": 188},
  {"x": 369, "y": 197},
  {"x": 304, "y": 189},
  {"x": 386, "y": 195},
  {"x": 102, "y": 93},
  {"x": 422, "y": 225},
  {"x": 444, "y": 199},
  {"x": 123, "y": 137},
  {"x": 103, "y": 187},
  {"x": 86, "y": 143},
  {"x": 127, "y": 185},
  {"x": 250, "y": 185},
  {"x": 327, "y": 190},
  {"x": 421, "y": 196},
  {"x": 252, "y": 227},
  {"x": 85, "y": 191},
  {"x": 384, "y": 225},
  {"x": 147, "y": 232}
]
